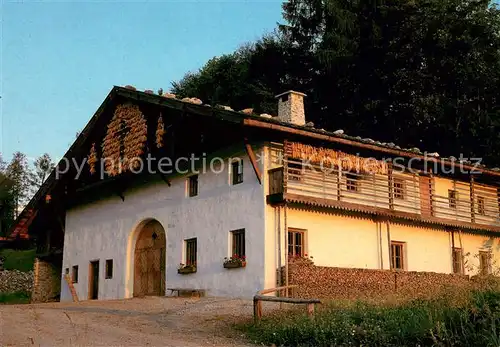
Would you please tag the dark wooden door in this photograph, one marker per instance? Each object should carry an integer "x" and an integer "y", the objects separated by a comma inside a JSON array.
[
  {"x": 426, "y": 195},
  {"x": 149, "y": 262},
  {"x": 94, "y": 280}
]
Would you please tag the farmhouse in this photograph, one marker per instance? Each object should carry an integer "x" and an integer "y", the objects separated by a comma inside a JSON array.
[{"x": 161, "y": 193}]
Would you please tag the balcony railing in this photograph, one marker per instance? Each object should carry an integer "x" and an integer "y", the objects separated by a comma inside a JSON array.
[{"x": 406, "y": 193}]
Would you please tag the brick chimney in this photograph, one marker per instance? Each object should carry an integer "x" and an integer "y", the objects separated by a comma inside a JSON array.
[{"x": 291, "y": 107}]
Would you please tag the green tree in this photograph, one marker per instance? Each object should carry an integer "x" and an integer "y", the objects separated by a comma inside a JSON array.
[
  {"x": 18, "y": 172},
  {"x": 6, "y": 204},
  {"x": 247, "y": 78},
  {"x": 43, "y": 166},
  {"x": 422, "y": 73}
]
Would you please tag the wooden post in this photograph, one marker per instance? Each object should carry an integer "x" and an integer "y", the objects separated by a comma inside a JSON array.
[
  {"x": 286, "y": 248},
  {"x": 257, "y": 310},
  {"x": 390, "y": 179},
  {"x": 253, "y": 160},
  {"x": 472, "y": 200},
  {"x": 310, "y": 310}
]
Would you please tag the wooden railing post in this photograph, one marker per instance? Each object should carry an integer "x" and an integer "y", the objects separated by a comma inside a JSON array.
[
  {"x": 390, "y": 180},
  {"x": 257, "y": 310},
  {"x": 310, "y": 310},
  {"x": 472, "y": 200}
]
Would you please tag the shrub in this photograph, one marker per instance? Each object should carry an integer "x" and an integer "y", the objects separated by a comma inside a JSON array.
[{"x": 14, "y": 298}]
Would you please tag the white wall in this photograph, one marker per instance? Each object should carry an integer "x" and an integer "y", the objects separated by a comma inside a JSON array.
[{"x": 106, "y": 229}]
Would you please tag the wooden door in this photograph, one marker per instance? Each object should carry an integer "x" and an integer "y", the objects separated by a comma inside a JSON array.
[
  {"x": 149, "y": 262},
  {"x": 426, "y": 195},
  {"x": 94, "y": 280}
]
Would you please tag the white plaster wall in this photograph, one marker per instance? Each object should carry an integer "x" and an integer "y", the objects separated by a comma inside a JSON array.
[{"x": 105, "y": 230}]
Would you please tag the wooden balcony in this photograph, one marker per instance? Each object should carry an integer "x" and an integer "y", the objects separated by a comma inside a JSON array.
[{"x": 397, "y": 195}]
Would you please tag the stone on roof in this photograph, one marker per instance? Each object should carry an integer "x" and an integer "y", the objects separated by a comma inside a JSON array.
[{"x": 247, "y": 111}]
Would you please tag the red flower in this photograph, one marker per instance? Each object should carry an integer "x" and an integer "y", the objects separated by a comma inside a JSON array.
[{"x": 244, "y": 257}]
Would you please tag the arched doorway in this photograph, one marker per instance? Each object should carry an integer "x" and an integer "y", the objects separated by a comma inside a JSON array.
[{"x": 149, "y": 260}]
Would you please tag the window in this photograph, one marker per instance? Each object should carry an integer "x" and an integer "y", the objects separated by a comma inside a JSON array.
[
  {"x": 74, "y": 274},
  {"x": 296, "y": 243},
  {"x": 399, "y": 188},
  {"x": 485, "y": 262},
  {"x": 238, "y": 242},
  {"x": 457, "y": 259},
  {"x": 295, "y": 170},
  {"x": 452, "y": 198},
  {"x": 109, "y": 268},
  {"x": 237, "y": 171},
  {"x": 351, "y": 182},
  {"x": 193, "y": 185},
  {"x": 191, "y": 251},
  {"x": 66, "y": 271},
  {"x": 397, "y": 255},
  {"x": 481, "y": 205}
]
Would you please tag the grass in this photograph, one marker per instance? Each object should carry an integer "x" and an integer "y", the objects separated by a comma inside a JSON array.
[
  {"x": 14, "y": 298},
  {"x": 438, "y": 322},
  {"x": 21, "y": 260}
]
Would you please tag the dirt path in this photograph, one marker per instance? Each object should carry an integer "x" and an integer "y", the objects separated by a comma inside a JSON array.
[{"x": 152, "y": 321}]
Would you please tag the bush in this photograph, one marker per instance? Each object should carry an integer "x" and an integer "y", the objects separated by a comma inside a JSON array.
[
  {"x": 18, "y": 260},
  {"x": 14, "y": 298},
  {"x": 438, "y": 322}
]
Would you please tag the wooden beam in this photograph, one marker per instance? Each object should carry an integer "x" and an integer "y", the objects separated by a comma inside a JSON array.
[
  {"x": 390, "y": 180},
  {"x": 253, "y": 160},
  {"x": 287, "y": 300},
  {"x": 472, "y": 200}
]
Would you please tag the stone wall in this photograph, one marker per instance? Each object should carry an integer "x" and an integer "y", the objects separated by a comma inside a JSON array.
[
  {"x": 46, "y": 282},
  {"x": 15, "y": 281},
  {"x": 366, "y": 284}
]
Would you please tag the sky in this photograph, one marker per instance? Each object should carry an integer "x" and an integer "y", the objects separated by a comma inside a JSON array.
[{"x": 59, "y": 60}]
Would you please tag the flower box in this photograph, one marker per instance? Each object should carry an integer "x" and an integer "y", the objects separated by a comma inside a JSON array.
[
  {"x": 234, "y": 265},
  {"x": 186, "y": 270}
]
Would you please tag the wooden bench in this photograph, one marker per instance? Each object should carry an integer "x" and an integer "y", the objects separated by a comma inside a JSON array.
[
  {"x": 200, "y": 292},
  {"x": 259, "y": 297}
]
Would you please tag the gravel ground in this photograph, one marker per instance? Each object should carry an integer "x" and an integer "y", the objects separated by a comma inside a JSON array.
[{"x": 151, "y": 321}]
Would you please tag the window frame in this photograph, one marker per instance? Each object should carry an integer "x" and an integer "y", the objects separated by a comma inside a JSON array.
[
  {"x": 74, "y": 274},
  {"x": 457, "y": 260},
  {"x": 190, "y": 247},
  {"x": 399, "y": 191},
  {"x": 485, "y": 269},
  {"x": 193, "y": 185},
  {"x": 402, "y": 256},
  {"x": 108, "y": 269},
  {"x": 296, "y": 170},
  {"x": 236, "y": 176},
  {"x": 238, "y": 245},
  {"x": 352, "y": 182},
  {"x": 452, "y": 198},
  {"x": 293, "y": 244}
]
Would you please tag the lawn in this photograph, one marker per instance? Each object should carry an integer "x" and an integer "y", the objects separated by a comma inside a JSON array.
[{"x": 21, "y": 260}]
